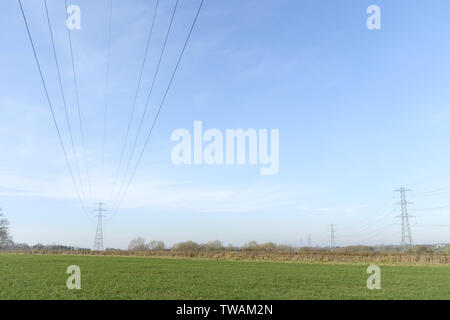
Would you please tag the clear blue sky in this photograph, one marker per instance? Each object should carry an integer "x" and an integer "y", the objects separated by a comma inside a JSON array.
[{"x": 360, "y": 113}]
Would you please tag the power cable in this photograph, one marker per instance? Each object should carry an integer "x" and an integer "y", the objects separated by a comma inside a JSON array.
[
  {"x": 64, "y": 102},
  {"x": 51, "y": 107},
  {"x": 108, "y": 58},
  {"x": 83, "y": 143},
  {"x": 141, "y": 122},
  {"x": 133, "y": 108},
  {"x": 162, "y": 103}
]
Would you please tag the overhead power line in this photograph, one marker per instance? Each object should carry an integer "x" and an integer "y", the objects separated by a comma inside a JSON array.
[
  {"x": 432, "y": 209},
  {"x": 141, "y": 122},
  {"x": 108, "y": 58},
  {"x": 374, "y": 222},
  {"x": 432, "y": 191},
  {"x": 77, "y": 95},
  {"x": 133, "y": 108},
  {"x": 432, "y": 194},
  {"x": 51, "y": 107},
  {"x": 77, "y": 167},
  {"x": 160, "y": 106}
]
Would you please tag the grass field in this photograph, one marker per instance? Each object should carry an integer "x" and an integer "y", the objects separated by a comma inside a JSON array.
[{"x": 44, "y": 277}]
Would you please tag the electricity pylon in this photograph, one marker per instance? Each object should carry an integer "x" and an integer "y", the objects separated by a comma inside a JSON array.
[
  {"x": 98, "y": 242},
  {"x": 406, "y": 229},
  {"x": 332, "y": 237}
]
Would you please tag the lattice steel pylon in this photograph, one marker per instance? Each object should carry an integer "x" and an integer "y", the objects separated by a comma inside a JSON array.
[
  {"x": 98, "y": 242},
  {"x": 332, "y": 237},
  {"x": 406, "y": 228}
]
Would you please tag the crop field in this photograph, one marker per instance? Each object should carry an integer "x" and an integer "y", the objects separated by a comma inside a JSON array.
[{"x": 106, "y": 277}]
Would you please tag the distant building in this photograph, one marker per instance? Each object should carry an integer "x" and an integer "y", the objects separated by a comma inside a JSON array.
[{"x": 440, "y": 246}]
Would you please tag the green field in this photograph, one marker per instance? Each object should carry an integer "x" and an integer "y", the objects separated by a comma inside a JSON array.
[{"x": 44, "y": 277}]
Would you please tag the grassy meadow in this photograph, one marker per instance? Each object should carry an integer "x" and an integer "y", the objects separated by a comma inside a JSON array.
[{"x": 108, "y": 277}]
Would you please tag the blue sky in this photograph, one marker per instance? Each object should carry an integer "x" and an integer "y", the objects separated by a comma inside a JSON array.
[{"x": 360, "y": 113}]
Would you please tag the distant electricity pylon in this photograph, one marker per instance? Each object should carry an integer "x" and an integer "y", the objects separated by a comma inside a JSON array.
[
  {"x": 98, "y": 242},
  {"x": 406, "y": 229},
  {"x": 332, "y": 237},
  {"x": 309, "y": 241}
]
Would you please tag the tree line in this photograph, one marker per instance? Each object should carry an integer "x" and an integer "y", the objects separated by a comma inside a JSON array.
[{"x": 140, "y": 244}]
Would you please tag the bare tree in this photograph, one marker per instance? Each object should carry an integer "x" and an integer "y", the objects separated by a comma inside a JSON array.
[
  {"x": 138, "y": 244},
  {"x": 4, "y": 223},
  {"x": 213, "y": 245},
  {"x": 156, "y": 245}
]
